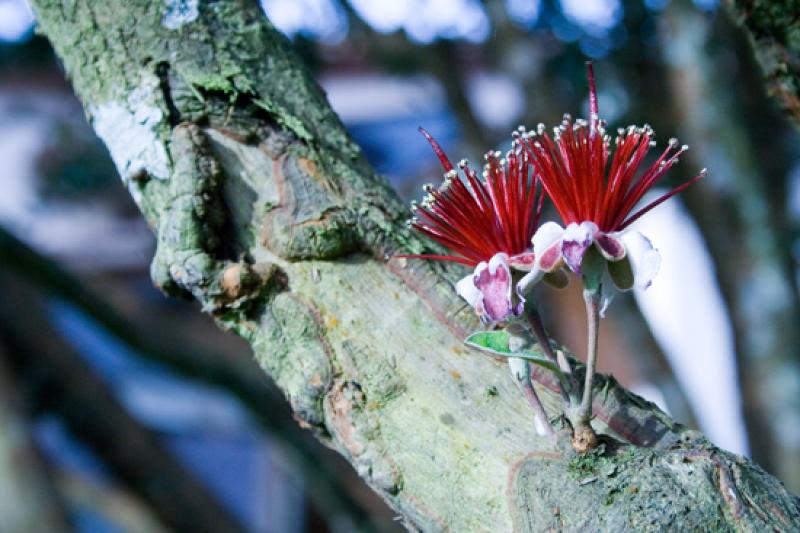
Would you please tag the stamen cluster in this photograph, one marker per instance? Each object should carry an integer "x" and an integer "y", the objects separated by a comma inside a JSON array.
[
  {"x": 477, "y": 217},
  {"x": 587, "y": 180}
]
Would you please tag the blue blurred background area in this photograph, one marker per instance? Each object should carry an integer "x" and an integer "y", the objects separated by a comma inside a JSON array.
[{"x": 713, "y": 341}]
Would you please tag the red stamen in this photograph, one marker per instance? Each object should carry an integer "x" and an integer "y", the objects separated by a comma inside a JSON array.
[
  {"x": 475, "y": 218},
  {"x": 586, "y": 181},
  {"x": 662, "y": 199},
  {"x": 448, "y": 166},
  {"x": 594, "y": 113}
]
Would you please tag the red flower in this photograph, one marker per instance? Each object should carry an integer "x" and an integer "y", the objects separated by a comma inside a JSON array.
[
  {"x": 594, "y": 189},
  {"x": 477, "y": 218},
  {"x": 486, "y": 222}
]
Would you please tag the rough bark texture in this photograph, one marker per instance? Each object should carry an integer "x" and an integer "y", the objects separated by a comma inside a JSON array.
[{"x": 268, "y": 214}]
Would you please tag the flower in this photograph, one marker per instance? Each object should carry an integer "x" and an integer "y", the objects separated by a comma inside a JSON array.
[
  {"x": 594, "y": 189},
  {"x": 487, "y": 223}
]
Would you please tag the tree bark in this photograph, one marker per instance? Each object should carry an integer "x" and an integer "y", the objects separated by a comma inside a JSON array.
[{"x": 269, "y": 215}]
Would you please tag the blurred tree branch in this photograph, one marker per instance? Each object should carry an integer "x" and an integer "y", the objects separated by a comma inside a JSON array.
[
  {"x": 57, "y": 379},
  {"x": 29, "y": 502},
  {"x": 117, "y": 503},
  {"x": 748, "y": 200},
  {"x": 268, "y": 214},
  {"x": 774, "y": 31},
  {"x": 440, "y": 59},
  {"x": 327, "y": 478}
]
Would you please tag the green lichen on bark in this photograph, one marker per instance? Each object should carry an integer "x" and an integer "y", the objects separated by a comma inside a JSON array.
[
  {"x": 263, "y": 178},
  {"x": 292, "y": 348},
  {"x": 191, "y": 254},
  {"x": 627, "y": 488}
]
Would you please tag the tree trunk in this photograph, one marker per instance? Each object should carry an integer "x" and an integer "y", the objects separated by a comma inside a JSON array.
[{"x": 268, "y": 214}]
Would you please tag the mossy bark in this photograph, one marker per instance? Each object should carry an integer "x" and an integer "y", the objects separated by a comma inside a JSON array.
[{"x": 268, "y": 214}]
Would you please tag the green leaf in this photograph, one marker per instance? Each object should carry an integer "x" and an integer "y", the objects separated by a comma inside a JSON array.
[
  {"x": 491, "y": 341},
  {"x": 497, "y": 342}
]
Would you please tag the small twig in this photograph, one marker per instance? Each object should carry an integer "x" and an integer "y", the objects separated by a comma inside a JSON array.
[
  {"x": 521, "y": 371},
  {"x": 537, "y": 326}
]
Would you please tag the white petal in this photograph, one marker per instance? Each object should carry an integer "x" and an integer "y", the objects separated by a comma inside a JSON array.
[
  {"x": 547, "y": 234},
  {"x": 466, "y": 289},
  {"x": 576, "y": 240},
  {"x": 610, "y": 246},
  {"x": 580, "y": 232},
  {"x": 498, "y": 260},
  {"x": 645, "y": 260},
  {"x": 495, "y": 284}
]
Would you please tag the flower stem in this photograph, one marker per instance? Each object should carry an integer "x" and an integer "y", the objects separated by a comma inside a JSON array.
[
  {"x": 535, "y": 321},
  {"x": 521, "y": 371},
  {"x": 592, "y": 299},
  {"x": 583, "y": 436}
]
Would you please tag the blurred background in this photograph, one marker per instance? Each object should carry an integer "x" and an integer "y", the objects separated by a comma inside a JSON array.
[{"x": 121, "y": 410}]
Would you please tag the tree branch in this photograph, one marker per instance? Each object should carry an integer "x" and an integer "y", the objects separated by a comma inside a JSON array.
[
  {"x": 30, "y": 501},
  {"x": 328, "y": 483},
  {"x": 62, "y": 382},
  {"x": 268, "y": 214},
  {"x": 772, "y": 27}
]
